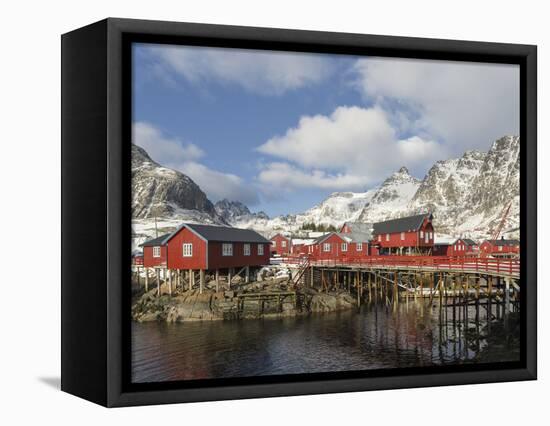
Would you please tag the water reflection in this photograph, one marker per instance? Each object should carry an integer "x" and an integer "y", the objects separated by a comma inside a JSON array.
[{"x": 411, "y": 334}]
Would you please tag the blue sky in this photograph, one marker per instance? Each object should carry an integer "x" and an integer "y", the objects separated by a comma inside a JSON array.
[{"x": 280, "y": 131}]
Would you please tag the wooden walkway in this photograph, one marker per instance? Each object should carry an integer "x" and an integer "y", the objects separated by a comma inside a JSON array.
[{"x": 503, "y": 268}]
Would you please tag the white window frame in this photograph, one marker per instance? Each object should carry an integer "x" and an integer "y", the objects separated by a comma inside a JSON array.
[
  {"x": 260, "y": 249},
  {"x": 380, "y": 238},
  {"x": 283, "y": 243},
  {"x": 187, "y": 250},
  {"x": 499, "y": 248},
  {"x": 246, "y": 249},
  {"x": 344, "y": 247},
  {"x": 387, "y": 237},
  {"x": 156, "y": 251},
  {"x": 402, "y": 236},
  {"x": 421, "y": 234},
  {"x": 326, "y": 247},
  {"x": 359, "y": 247},
  {"x": 274, "y": 244},
  {"x": 227, "y": 249}
]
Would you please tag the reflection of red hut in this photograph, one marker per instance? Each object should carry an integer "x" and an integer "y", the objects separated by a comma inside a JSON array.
[
  {"x": 281, "y": 245},
  {"x": 502, "y": 248},
  {"x": 405, "y": 236}
]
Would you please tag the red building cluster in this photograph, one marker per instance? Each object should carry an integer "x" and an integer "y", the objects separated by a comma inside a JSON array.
[
  {"x": 500, "y": 248},
  {"x": 207, "y": 247}
]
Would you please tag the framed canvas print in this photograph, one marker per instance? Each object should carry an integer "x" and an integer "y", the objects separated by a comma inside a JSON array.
[{"x": 253, "y": 212}]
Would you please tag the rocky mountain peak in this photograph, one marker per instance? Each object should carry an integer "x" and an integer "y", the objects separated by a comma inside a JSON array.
[
  {"x": 158, "y": 191},
  {"x": 234, "y": 211}
]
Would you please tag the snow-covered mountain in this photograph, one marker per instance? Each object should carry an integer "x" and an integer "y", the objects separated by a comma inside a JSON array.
[
  {"x": 336, "y": 209},
  {"x": 235, "y": 211},
  {"x": 158, "y": 191},
  {"x": 466, "y": 195},
  {"x": 391, "y": 197},
  {"x": 162, "y": 198}
]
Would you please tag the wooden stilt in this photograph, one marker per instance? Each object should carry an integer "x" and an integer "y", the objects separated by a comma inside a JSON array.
[
  {"x": 201, "y": 280},
  {"x": 146, "y": 280},
  {"x": 191, "y": 279},
  {"x": 247, "y": 274},
  {"x": 217, "y": 280},
  {"x": 169, "y": 272},
  {"x": 158, "y": 281}
]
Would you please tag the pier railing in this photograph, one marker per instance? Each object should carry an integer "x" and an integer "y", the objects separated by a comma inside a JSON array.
[{"x": 509, "y": 267}]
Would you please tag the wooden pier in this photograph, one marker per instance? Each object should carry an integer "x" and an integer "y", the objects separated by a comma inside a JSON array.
[{"x": 394, "y": 278}]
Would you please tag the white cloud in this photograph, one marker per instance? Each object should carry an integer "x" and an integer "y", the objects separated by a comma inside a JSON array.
[
  {"x": 174, "y": 154},
  {"x": 466, "y": 105},
  {"x": 266, "y": 73},
  {"x": 162, "y": 148},
  {"x": 352, "y": 148},
  {"x": 287, "y": 176},
  {"x": 218, "y": 185}
]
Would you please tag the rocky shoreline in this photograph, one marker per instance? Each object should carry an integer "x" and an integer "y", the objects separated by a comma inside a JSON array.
[{"x": 253, "y": 301}]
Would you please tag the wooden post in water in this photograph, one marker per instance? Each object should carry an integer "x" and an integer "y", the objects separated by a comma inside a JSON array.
[
  {"x": 201, "y": 280},
  {"x": 369, "y": 284},
  {"x": 158, "y": 281},
  {"x": 395, "y": 288},
  {"x": 507, "y": 295}
]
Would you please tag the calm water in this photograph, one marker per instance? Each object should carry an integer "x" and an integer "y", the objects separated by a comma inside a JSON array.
[{"x": 378, "y": 336}]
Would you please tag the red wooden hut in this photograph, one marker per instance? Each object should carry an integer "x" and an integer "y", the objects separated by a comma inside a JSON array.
[
  {"x": 412, "y": 235},
  {"x": 281, "y": 245},
  {"x": 500, "y": 248},
  {"x": 464, "y": 247},
  {"x": 137, "y": 259},
  {"x": 339, "y": 247},
  {"x": 154, "y": 252},
  {"x": 205, "y": 247}
]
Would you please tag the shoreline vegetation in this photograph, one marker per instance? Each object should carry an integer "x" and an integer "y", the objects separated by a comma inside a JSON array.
[{"x": 272, "y": 298}]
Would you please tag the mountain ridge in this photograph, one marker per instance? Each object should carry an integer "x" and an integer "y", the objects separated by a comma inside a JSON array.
[{"x": 466, "y": 195}]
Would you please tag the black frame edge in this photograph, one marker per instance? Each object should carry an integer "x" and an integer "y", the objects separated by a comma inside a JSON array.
[
  {"x": 107, "y": 380},
  {"x": 83, "y": 213}
]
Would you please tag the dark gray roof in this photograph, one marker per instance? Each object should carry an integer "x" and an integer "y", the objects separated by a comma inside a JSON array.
[
  {"x": 223, "y": 233},
  {"x": 404, "y": 224},
  {"x": 159, "y": 241},
  {"x": 503, "y": 242},
  {"x": 323, "y": 237},
  {"x": 469, "y": 241}
]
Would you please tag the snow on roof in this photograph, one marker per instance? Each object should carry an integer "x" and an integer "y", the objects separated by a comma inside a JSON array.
[
  {"x": 306, "y": 241},
  {"x": 444, "y": 239}
]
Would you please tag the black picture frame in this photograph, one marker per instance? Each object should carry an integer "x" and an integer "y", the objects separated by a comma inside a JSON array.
[{"x": 96, "y": 119}]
